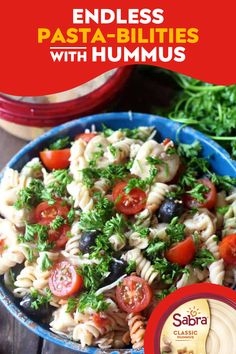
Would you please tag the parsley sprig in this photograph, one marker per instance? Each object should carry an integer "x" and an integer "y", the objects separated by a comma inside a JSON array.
[
  {"x": 203, "y": 259},
  {"x": 168, "y": 271},
  {"x": 96, "y": 218},
  {"x": 88, "y": 300},
  {"x": 30, "y": 196},
  {"x": 38, "y": 234},
  {"x": 39, "y": 299},
  {"x": 175, "y": 231},
  {"x": 60, "y": 144},
  {"x": 109, "y": 173}
]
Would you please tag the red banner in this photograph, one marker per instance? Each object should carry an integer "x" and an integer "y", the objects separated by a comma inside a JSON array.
[{"x": 51, "y": 46}]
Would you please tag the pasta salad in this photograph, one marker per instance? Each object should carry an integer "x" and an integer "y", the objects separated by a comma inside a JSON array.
[{"x": 95, "y": 231}]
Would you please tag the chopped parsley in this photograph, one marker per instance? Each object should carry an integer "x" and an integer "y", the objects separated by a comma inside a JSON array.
[
  {"x": 39, "y": 299},
  {"x": 116, "y": 225},
  {"x": 225, "y": 183},
  {"x": 156, "y": 247},
  {"x": 71, "y": 216},
  {"x": 58, "y": 222},
  {"x": 131, "y": 267},
  {"x": 94, "y": 274},
  {"x": 46, "y": 263},
  {"x": 60, "y": 144},
  {"x": 175, "y": 231},
  {"x": 141, "y": 133},
  {"x": 38, "y": 234},
  {"x": 112, "y": 150},
  {"x": 189, "y": 150},
  {"x": 222, "y": 210},
  {"x": 88, "y": 300},
  {"x": 57, "y": 188},
  {"x": 141, "y": 183},
  {"x": 143, "y": 231},
  {"x": 30, "y": 196},
  {"x": 168, "y": 271},
  {"x": 109, "y": 173},
  {"x": 198, "y": 192},
  {"x": 203, "y": 259},
  {"x": 155, "y": 162},
  {"x": 96, "y": 218}
]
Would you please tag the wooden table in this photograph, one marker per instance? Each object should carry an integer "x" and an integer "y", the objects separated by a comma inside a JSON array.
[{"x": 140, "y": 95}]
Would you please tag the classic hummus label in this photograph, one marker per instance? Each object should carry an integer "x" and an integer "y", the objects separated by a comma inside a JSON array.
[{"x": 186, "y": 329}]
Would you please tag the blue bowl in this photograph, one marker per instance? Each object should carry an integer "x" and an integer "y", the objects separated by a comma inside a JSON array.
[{"x": 217, "y": 156}]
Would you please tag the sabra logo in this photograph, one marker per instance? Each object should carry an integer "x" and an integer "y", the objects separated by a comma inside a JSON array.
[{"x": 192, "y": 318}]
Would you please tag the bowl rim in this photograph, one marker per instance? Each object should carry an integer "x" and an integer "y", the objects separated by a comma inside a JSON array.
[{"x": 84, "y": 123}]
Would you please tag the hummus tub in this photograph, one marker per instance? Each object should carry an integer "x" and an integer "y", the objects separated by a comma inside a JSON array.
[
  {"x": 200, "y": 326},
  {"x": 28, "y": 117},
  {"x": 219, "y": 158}
]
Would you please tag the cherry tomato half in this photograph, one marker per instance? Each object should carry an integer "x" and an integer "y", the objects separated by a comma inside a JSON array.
[
  {"x": 128, "y": 203},
  {"x": 59, "y": 236},
  {"x": 64, "y": 280},
  {"x": 182, "y": 253},
  {"x": 210, "y": 196},
  {"x": 133, "y": 294},
  {"x": 44, "y": 213},
  {"x": 55, "y": 159},
  {"x": 85, "y": 136},
  {"x": 228, "y": 249}
]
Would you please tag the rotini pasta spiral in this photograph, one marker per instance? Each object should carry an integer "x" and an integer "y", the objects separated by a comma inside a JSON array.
[
  {"x": 166, "y": 170},
  {"x": 217, "y": 272},
  {"x": 72, "y": 245},
  {"x": 24, "y": 281},
  {"x": 77, "y": 159},
  {"x": 106, "y": 341},
  {"x": 102, "y": 186},
  {"x": 13, "y": 179},
  {"x": 86, "y": 333},
  {"x": 203, "y": 221},
  {"x": 63, "y": 322},
  {"x": 41, "y": 275},
  {"x": 143, "y": 218},
  {"x": 80, "y": 195},
  {"x": 156, "y": 196},
  {"x": 119, "y": 152},
  {"x": 96, "y": 148},
  {"x": 117, "y": 241},
  {"x": 136, "y": 241},
  {"x": 48, "y": 178},
  {"x": 143, "y": 266},
  {"x": 134, "y": 149},
  {"x": 229, "y": 226},
  {"x": 115, "y": 137},
  {"x": 11, "y": 184},
  {"x": 12, "y": 253},
  {"x": 137, "y": 325},
  {"x": 158, "y": 232},
  {"x": 212, "y": 246},
  {"x": 33, "y": 169},
  {"x": 220, "y": 202}
]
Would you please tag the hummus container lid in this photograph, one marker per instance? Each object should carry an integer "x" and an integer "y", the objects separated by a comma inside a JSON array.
[{"x": 51, "y": 110}]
